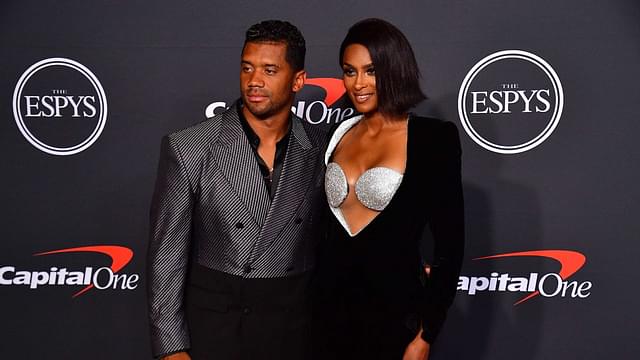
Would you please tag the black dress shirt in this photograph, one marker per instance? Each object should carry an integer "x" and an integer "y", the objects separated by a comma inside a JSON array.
[{"x": 271, "y": 177}]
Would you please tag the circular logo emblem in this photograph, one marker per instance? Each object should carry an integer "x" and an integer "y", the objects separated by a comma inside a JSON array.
[
  {"x": 59, "y": 106},
  {"x": 510, "y": 101}
]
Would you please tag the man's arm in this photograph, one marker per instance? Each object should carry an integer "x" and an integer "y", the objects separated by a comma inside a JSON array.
[{"x": 168, "y": 253}]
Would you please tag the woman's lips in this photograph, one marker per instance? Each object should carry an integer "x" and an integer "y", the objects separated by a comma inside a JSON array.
[{"x": 362, "y": 97}]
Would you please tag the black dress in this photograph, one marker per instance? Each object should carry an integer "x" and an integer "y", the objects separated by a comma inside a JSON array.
[{"x": 372, "y": 294}]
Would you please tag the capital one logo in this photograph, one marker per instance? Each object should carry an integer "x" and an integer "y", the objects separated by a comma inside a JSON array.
[
  {"x": 59, "y": 106},
  {"x": 313, "y": 111},
  {"x": 510, "y": 101},
  {"x": 552, "y": 284},
  {"x": 100, "y": 278}
]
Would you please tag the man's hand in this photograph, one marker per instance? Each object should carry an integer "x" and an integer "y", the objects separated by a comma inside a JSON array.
[
  {"x": 177, "y": 356},
  {"x": 418, "y": 349}
]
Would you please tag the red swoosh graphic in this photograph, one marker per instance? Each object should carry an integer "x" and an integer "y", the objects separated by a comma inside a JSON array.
[
  {"x": 334, "y": 88},
  {"x": 120, "y": 256},
  {"x": 570, "y": 263}
]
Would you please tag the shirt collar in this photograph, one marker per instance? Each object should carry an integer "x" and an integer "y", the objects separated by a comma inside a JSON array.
[{"x": 254, "y": 140}]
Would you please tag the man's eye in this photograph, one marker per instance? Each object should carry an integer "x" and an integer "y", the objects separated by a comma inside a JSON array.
[
  {"x": 270, "y": 71},
  {"x": 246, "y": 69}
]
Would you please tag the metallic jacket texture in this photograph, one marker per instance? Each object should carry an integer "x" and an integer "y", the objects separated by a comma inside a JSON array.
[{"x": 211, "y": 207}]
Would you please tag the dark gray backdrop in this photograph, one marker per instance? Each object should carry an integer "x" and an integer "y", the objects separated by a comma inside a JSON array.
[{"x": 161, "y": 63}]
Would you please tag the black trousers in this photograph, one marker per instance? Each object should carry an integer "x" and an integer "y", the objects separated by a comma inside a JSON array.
[{"x": 233, "y": 318}]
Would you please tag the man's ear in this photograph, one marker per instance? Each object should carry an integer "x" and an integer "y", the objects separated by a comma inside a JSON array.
[{"x": 298, "y": 80}]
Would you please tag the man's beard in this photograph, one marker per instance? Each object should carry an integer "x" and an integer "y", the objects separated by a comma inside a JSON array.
[
  {"x": 261, "y": 111},
  {"x": 265, "y": 109}
]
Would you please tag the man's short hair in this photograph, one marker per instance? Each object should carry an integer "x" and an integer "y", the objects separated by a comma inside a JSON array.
[{"x": 277, "y": 31}]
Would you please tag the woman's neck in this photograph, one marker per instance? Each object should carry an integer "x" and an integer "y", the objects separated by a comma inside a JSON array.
[{"x": 375, "y": 122}]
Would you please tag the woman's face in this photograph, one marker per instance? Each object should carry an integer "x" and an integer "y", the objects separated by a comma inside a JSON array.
[{"x": 359, "y": 78}]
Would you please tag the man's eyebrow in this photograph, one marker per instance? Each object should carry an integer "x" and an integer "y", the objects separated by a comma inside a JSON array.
[{"x": 247, "y": 62}]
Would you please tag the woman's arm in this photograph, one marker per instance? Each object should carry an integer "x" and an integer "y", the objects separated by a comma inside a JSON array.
[{"x": 446, "y": 221}]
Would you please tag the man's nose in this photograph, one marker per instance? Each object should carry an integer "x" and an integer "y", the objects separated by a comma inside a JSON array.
[{"x": 255, "y": 79}]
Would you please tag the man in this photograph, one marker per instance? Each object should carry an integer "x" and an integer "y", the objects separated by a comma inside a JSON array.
[{"x": 235, "y": 217}]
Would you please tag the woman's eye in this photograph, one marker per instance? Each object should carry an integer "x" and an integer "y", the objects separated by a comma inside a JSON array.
[
  {"x": 371, "y": 71},
  {"x": 349, "y": 72}
]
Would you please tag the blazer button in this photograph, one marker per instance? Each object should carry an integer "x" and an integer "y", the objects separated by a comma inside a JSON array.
[
  {"x": 239, "y": 225},
  {"x": 246, "y": 268},
  {"x": 298, "y": 221}
]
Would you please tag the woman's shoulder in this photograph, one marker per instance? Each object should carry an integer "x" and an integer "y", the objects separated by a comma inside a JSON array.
[
  {"x": 434, "y": 129},
  {"x": 336, "y": 132},
  {"x": 344, "y": 125},
  {"x": 430, "y": 123}
]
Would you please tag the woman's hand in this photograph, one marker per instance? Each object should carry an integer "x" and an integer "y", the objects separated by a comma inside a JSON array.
[{"x": 418, "y": 349}]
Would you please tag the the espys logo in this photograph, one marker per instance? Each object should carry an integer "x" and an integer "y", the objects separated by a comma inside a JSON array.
[
  {"x": 510, "y": 101},
  {"x": 553, "y": 284},
  {"x": 106, "y": 277},
  {"x": 59, "y": 106},
  {"x": 314, "y": 112}
]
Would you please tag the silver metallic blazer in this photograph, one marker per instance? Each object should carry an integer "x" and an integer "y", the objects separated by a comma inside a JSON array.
[{"x": 211, "y": 207}]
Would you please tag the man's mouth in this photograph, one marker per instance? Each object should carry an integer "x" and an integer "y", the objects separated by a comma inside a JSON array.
[{"x": 255, "y": 97}]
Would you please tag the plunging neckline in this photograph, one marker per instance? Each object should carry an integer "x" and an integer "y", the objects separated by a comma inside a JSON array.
[{"x": 342, "y": 129}]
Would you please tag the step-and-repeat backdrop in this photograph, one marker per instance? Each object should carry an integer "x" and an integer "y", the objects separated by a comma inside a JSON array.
[{"x": 544, "y": 93}]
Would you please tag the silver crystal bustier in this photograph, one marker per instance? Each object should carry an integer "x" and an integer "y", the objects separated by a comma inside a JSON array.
[{"x": 374, "y": 188}]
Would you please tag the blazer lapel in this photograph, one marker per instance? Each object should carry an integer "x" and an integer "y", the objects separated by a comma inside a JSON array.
[
  {"x": 236, "y": 161},
  {"x": 296, "y": 177}
]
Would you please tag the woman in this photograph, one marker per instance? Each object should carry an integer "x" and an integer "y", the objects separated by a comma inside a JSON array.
[{"x": 389, "y": 175}]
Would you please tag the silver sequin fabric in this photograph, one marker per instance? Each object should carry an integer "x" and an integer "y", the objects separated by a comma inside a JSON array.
[
  {"x": 375, "y": 191},
  {"x": 335, "y": 185},
  {"x": 375, "y": 187}
]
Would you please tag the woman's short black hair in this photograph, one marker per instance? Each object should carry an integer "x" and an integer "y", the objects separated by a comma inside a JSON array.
[
  {"x": 396, "y": 69},
  {"x": 278, "y": 31}
]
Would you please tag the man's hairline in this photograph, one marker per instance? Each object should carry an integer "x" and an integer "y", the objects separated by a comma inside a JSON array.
[{"x": 273, "y": 42}]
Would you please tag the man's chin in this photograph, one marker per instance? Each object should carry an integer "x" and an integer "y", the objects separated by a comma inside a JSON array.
[{"x": 261, "y": 112}]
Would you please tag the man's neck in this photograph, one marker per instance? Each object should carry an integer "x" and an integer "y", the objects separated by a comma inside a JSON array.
[{"x": 269, "y": 130}]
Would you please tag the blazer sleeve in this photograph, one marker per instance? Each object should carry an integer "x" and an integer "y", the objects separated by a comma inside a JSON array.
[
  {"x": 447, "y": 227},
  {"x": 168, "y": 252}
]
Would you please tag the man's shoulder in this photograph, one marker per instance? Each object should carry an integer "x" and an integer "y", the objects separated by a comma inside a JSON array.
[
  {"x": 204, "y": 132},
  {"x": 204, "y": 129}
]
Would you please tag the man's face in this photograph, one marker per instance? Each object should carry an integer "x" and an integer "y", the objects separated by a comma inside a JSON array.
[{"x": 267, "y": 81}]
